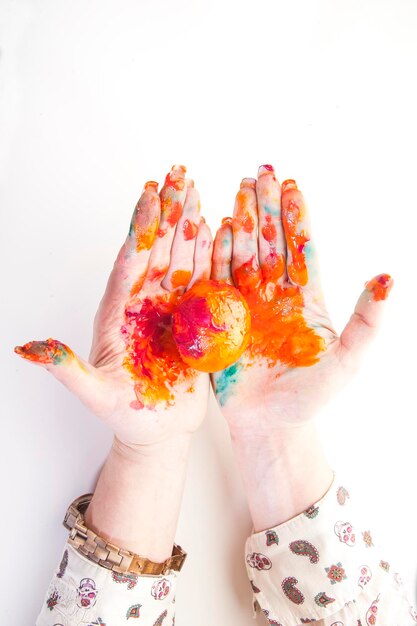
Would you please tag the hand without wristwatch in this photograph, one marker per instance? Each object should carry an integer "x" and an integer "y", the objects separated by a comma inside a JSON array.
[{"x": 106, "y": 554}]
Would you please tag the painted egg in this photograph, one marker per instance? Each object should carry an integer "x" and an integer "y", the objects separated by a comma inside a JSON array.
[{"x": 211, "y": 325}]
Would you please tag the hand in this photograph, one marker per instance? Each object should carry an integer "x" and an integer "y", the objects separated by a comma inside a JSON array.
[
  {"x": 296, "y": 361},
  {"x": 134, "y": 379}
]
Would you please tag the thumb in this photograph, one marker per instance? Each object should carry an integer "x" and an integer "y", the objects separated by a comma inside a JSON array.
[
  {"x": 364, "y": 322},
  {"x": 80, "y": 377}
]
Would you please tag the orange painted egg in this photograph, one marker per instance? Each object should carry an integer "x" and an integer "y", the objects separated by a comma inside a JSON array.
[{"x": 211, "y": 325}]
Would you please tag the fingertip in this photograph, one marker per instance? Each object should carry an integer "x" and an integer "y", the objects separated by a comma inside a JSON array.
[
  {"x": 151, "y": 185},
  {"x": 48, "y": 351},
  {"x": 265, "y": 169},
  {"x": 248, "y": 182},
  {"x": 288, "y": 184},
  {"x": 380, "y": 286}
]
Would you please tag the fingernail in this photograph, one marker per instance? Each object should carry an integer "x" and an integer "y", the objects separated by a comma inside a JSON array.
[
  {"x": 248, "y": 182},
  {"x": 288, "y": 184},
  {"x": 227, "y": 220},
  {"x": 151, "y": 183},
  {"x": 265, "y": 169},
  {"x": 202, "y": 219},
  {"x": 380, "y": 286},
  {"x": 179, "y": 168},
  {"x": 189, "y": 182}
]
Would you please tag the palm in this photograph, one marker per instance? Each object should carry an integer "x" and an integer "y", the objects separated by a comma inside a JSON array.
[
  {"x": 295, "y": 360},
  {"x": 137, "y": 355}
]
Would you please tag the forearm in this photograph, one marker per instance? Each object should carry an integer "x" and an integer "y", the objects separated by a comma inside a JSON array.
[
  {"x": 283, "y": 472},
  {"x": 137, "y": 499}
]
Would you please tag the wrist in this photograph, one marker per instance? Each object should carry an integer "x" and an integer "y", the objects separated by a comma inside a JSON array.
[
  {"x": 137, "y": 499},
  {"x": 168, "y": 452},
  {"x": 283, "y": 472}
]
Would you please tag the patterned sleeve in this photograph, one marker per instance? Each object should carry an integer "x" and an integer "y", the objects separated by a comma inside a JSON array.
[
  {"x": 322, "y": 566},
  {"x": 82, "y": 593}
]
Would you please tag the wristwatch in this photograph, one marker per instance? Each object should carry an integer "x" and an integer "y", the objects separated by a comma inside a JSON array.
[{"x": 98, "y": 550}]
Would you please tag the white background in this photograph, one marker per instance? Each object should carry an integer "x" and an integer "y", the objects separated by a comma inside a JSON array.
[{"x": 99, "y": 96}]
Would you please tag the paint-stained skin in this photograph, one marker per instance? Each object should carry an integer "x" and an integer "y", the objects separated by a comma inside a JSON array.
[
  {"x": 180, "y": 278},
  {"x": 172, "y": 197},
  {"x": 190, "y": 230},
  {"x": 152, "y": 356},
  {"x": 281, "y": 337},
  {"x": 380, "y": 286},
  {"x": 293, "y": 215},
  {"x": 49, "y": 351},
  {"x": 211, "y": 325},
  {"x": 144, "y": 222}
]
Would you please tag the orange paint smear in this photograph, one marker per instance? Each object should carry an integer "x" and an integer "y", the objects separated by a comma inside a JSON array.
[
  {"x": 269, "y": 231},
  {"x": 293, "y": 211},
  {"x": 279, "y": 330},
  {"x": 152, "y": 356},
  {"x": 145, "y": 236},
  {"x": 172, "y": 196},
  {"x": 242, "y": 218},
  {"x": 49, "y": 351},
  {"x": 190, "y": 230},
  {"x": 273, "y": 267},
  {"x": 248, "y": 276},
  {"x": 380, "y": 286},
  {"x": 180, "y": 278}
]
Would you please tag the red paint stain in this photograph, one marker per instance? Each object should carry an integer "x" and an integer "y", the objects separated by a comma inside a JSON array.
[
  {"x": 157, "y": 273},
  {"x": 190, "y": 230},
  {"x": 380, "y": 286},
  {"x": 152, "y": 357}
]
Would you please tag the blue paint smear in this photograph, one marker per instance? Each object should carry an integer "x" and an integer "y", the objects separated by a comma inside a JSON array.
[
  {"x": 272, "y": 211},
  {"x": 225, "y": 381},
  {"x": 309, "y": 251}
]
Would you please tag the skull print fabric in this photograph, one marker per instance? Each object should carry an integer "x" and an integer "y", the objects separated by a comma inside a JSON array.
[
  {"x": 82, "y": 593},
  {"x": 323, "y": 567}
]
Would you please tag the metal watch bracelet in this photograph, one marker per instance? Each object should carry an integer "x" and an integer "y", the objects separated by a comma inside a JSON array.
[{"x": 107, "y": 555}]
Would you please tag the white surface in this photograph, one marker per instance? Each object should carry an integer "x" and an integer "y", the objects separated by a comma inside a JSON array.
[{"x": 99, "y": 96}]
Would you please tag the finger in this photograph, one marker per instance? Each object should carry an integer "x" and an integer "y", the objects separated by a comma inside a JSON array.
[
  {"x": 222, "y": 252},
  {"x": 301, "y": 262},
  {"x": 172, "y": 198},
  {"x": 181, "y": 265},
  {"x": 202, "y": 254},
  {"x": 80, "y": 377},
  {"x": 272, "y": 245},
  {"x": 245, "y": 264},
  {"x": 131, "y": 265},
  {"x": 365, "y": 320}
]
